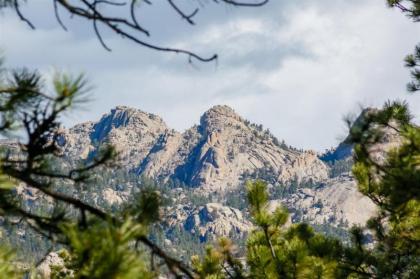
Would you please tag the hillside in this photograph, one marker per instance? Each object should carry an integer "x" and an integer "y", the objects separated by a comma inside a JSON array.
[{"x": 202, "y": 173}]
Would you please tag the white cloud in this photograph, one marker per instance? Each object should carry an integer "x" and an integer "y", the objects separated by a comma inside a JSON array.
[{"x": 296, "y": 68}]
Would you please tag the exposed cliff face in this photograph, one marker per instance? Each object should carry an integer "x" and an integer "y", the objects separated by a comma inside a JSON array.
[
  {"x": 208, "y": 221},
  {"x": 213, "y": 156},
  {"x": 132, "y": 132},
  {"x": 52, "y": 260},
  {"x": 335, "y": 202},
  {"x": 212, "y": 160},
  {"x": 231, "y": 147}
]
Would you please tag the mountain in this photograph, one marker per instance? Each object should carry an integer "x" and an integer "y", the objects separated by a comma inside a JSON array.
[
  {"x": 212, "y": 156},
  {"x": 213, "y": 160},
  {"x": 202, "y": 172}
]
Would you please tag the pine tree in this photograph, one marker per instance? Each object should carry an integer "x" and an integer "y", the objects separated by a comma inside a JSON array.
[
  {"x": 391, "y": 181},
  {"x": 100, "y": 244}
]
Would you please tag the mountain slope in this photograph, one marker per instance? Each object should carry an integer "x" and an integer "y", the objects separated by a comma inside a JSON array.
[
  {"x": 211, "y": 162},
  {"x": 213, "y": 156},
  {"x": 202, "y": 172}
]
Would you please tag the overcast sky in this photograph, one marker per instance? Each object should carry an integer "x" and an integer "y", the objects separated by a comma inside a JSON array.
[{"x": 297, "y": 67}]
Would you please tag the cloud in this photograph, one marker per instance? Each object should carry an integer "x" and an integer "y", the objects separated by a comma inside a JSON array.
[{"x": 295, "y": 67}]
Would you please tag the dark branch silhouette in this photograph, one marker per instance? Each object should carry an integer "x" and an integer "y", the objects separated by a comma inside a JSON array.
[{"x": 127, "y": 27}]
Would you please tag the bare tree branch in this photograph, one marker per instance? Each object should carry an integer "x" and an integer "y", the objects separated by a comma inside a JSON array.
[
  {"x": 189, "y": 17},
  {"x": 23, "y": 18},
  {"x": 57, "y": 16},
  {"x": 128, "y": 27},
  {"x": 244, "y": 4}
]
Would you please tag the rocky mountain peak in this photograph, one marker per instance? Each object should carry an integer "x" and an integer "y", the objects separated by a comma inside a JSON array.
[
  {"x": 123, "y": 116},
  {"x": 221, "y": 110},
  {"x": 218, "y": 155},
  {"x": 219, "y": 117},
  {"x": 132, "y": 132},
  {"x": 206, "y": 168}
]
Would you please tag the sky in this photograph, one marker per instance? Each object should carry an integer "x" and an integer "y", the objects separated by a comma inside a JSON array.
[{"x": 297, "y": 67}]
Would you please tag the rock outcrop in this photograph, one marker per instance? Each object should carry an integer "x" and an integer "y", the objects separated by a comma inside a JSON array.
[
  {"x": 214, "y": 156},
  {"x": 336, "y": 202},
  {"x": 211, "y": 160},
  {"x": 209, "y": 221},
  {"x": 52, "y": 261},
  {"x": 131, "y": 132}
]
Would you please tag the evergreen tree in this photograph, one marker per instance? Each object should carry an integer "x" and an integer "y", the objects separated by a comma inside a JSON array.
[
  {"x": 393, "y": 184},
  {"x": 411, "y": 8},
  {"x": 100, "y": 244},
  {"x": 412, "y": 62},
  {"x": 391, "y": 181}
]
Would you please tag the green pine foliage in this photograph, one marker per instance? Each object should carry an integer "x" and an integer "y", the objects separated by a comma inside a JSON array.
[
  {"x": 391, "y": 180},
  {"x": 409, "y": 7},
  {"x": 103, "y": 250},
  {"x": 393, "y": 183},
  {"x": 412, "y": 61},
  {"x": 101, "y": 243},
  {"x": 272, "y": 250}
]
